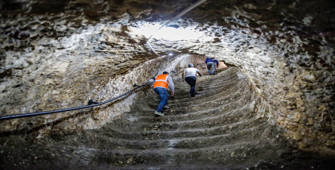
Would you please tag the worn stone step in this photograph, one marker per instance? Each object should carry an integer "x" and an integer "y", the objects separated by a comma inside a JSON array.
[
  {"x": 201, "y": 96},
  {"x": 211, "y": 108},
  {"x": 205, "y": 84},
  {"x": 186, "y": 142},
  {"x": 224, "y": 156},
  {"x": 207, "y": 80},
  {"x": 202, "y": 93},
  {"x": 229, "y": 119},
  {"x": 182, "y": 93},
  {"x": 190, "y": 106},
  {"x": 211, "y": 96},
  {"x": 198, "y": 123},
  {"x": 157, "y": 134},
  {"x": 185, "y": 107},
  {"x": 210, "y": 79}
]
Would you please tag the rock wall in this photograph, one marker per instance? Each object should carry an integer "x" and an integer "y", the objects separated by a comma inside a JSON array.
[
  {"x": 61, "y": 54},
  {"x": 65, "y": 72}
]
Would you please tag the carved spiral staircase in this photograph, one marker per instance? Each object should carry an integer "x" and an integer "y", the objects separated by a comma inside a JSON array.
[{"x": 217, "y": 129}]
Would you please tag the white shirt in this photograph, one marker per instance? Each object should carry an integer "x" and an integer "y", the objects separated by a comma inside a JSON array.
[{"x": 191, "y": 72}]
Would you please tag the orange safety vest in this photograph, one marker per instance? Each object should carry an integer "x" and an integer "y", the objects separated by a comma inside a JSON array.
[{"x": 162, "y": 81}]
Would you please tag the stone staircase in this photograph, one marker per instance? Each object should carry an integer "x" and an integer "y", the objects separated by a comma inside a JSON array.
[{"x": 217, "y": 129}]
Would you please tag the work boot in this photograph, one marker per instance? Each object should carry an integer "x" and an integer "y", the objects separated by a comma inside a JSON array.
[
  {"x": 159, "y": 113},
  {"x": 166, "y": 107},
  {"x": 191, "y": 95}
]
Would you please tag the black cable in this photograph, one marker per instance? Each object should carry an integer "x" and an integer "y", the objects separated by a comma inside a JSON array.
[{"x": 69, "y": 109}]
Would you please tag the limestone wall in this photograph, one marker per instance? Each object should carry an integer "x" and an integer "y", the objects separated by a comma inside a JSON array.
[{"x": 62, "y": 57}]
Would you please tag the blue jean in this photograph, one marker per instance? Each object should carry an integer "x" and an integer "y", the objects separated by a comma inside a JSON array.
[
  {"x": 211, "y": 68},
  {"x": 191, "y": 81},
  {"x": 162, "y": 92}
]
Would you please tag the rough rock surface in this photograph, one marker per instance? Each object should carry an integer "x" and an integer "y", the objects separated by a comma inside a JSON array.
[
  {"x": 60, "y": 54},
  {"x": 216, "y": 129}
]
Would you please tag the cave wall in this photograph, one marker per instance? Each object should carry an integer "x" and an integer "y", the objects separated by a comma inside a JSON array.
[{"x": 60, "y": 54}]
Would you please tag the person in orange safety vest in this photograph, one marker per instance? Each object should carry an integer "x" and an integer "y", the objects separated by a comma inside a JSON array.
[{"x": 161, "y": 85}]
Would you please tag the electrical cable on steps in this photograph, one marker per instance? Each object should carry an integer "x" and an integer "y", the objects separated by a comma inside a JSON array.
[
  {"x": 174, "y": 18},
  {"x": 90, "y": 104}
]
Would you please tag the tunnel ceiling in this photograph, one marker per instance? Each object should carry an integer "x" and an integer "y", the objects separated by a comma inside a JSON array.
[
  {"x": 271, "y": 19},
  {"x": 62, "y": 53}
]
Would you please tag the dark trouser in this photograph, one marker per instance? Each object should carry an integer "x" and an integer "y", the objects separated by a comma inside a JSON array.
[
  {"x": 211, "y": 68},
  {"x": 191, "y": 81}
]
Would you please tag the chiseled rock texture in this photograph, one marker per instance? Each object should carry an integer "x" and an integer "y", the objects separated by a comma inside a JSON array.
[{"x": 60, "y": 54}]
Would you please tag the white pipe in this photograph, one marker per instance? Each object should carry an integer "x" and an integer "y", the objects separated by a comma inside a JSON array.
[{"x": 152, "y": 48}]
